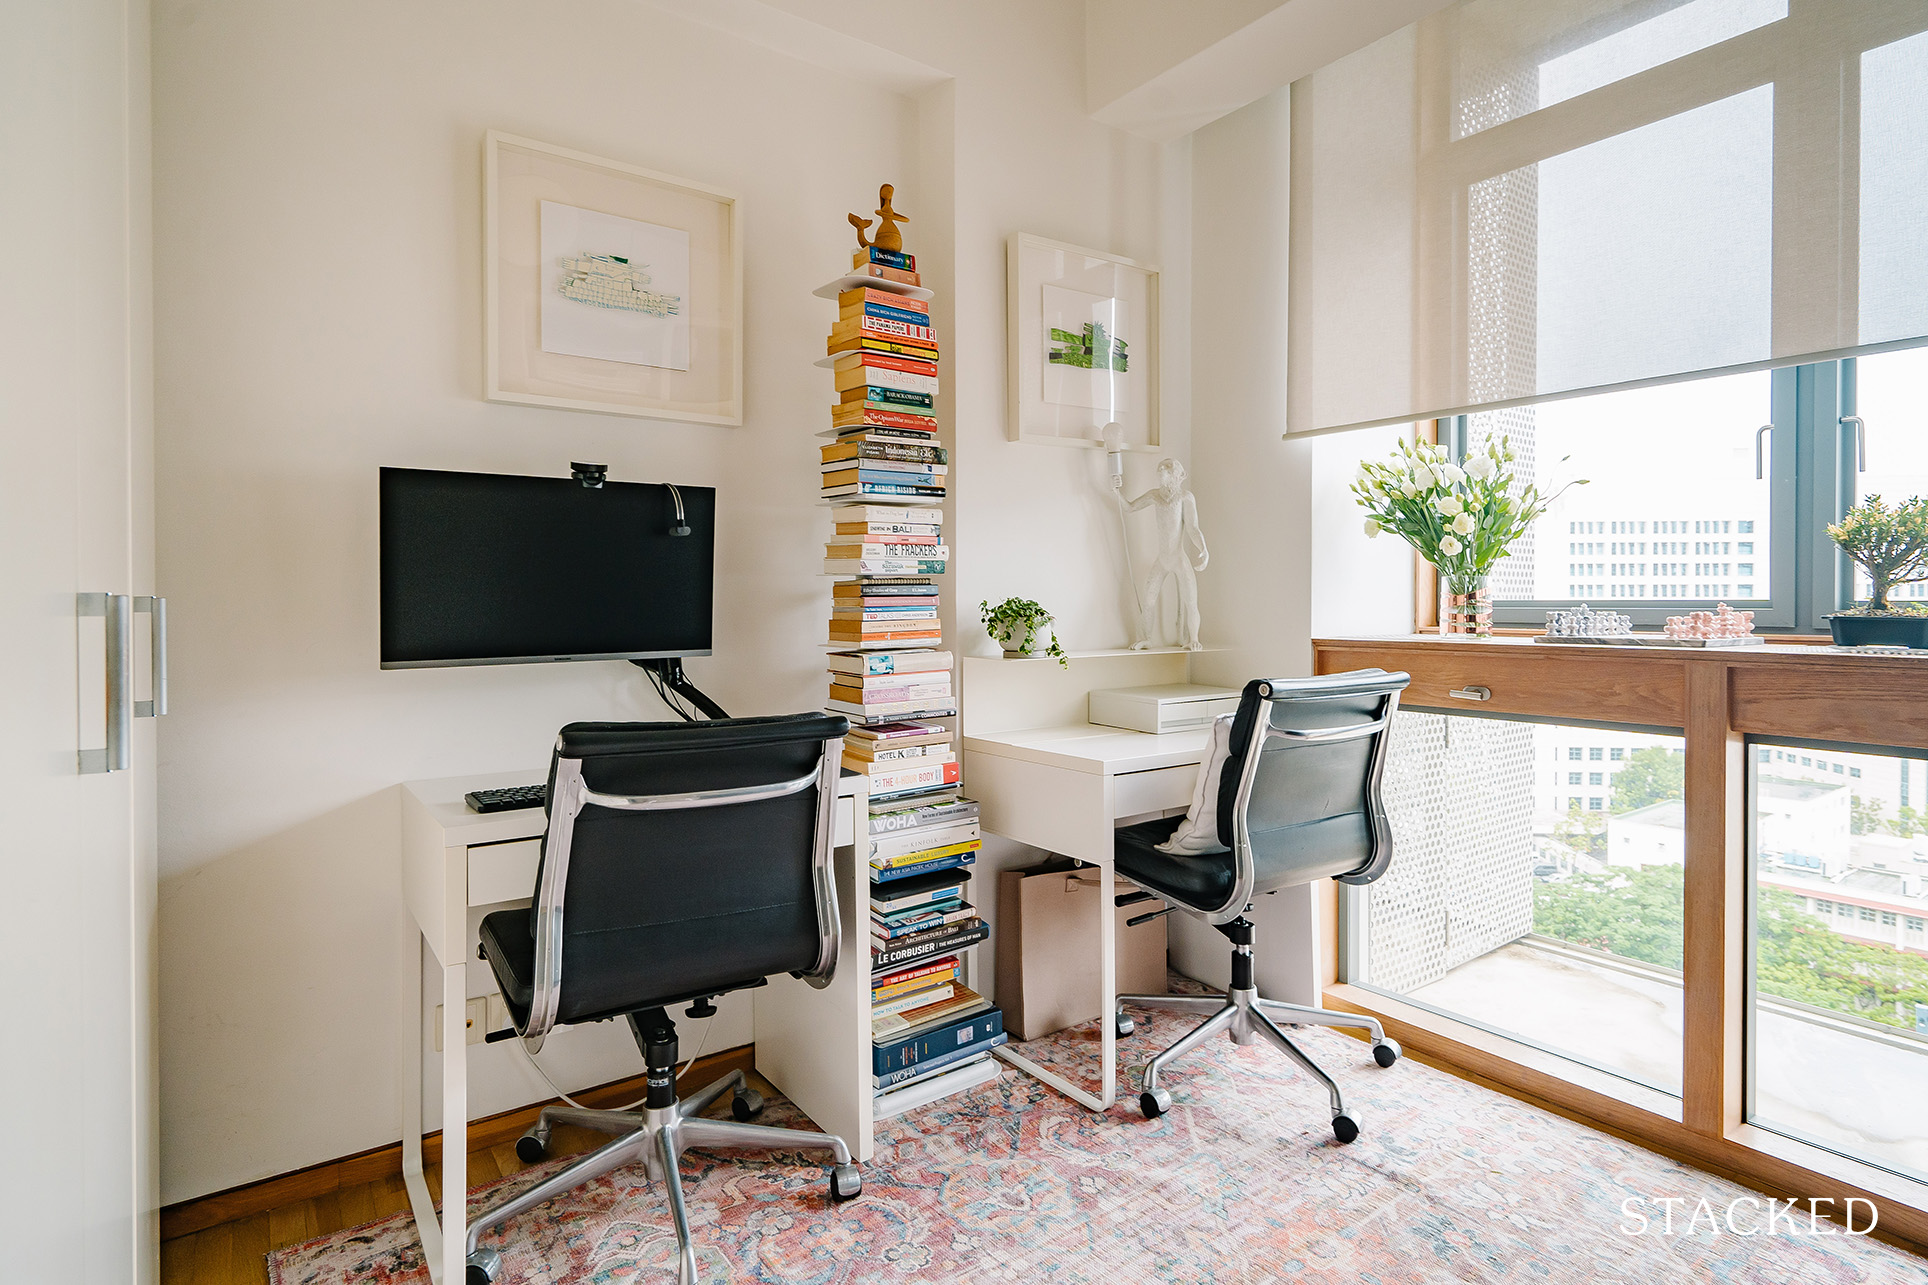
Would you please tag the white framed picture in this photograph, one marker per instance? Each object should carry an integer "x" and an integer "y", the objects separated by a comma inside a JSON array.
[
  {"x": 1083, "y": 343},
  {"x": 608, "y": 287}
]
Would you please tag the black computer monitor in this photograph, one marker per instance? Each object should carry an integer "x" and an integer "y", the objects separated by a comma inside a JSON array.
[{"x": 493, "y": 569}]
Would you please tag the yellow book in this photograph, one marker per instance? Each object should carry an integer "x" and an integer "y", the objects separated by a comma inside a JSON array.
[
  {"x": 879, "y": 994},
  {"x": 929, "y": 854}
]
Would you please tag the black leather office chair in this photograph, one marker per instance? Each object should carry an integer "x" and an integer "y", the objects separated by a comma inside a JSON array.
[
  {"x": 1299, "y": 800},
  {"x": 681, "y": 861}
]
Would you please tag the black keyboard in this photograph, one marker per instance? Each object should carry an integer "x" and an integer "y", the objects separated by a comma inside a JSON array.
[{"x": 507, "y": 799}]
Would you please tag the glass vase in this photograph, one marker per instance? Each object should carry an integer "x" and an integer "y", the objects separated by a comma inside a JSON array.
[{"x": 1467, "y": 610}]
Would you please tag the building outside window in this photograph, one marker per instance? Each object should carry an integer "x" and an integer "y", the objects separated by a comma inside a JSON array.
[{"x": 1704, "y": 430}]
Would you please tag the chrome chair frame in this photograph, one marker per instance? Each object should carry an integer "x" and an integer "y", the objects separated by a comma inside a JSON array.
[
  {"x": 658, "y": 1134},
  {"x": 1241, "y": 1012}
]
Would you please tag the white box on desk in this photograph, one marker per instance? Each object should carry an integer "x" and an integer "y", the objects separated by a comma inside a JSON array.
[{"x": 1171, "y": 707}]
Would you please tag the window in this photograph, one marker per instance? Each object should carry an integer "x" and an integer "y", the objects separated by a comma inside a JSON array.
[
  {"x": 1887, "y": 391},
  {"x": 1596, "y": 778},
  {"x": 1573, "y": 752},
  {"x": 1573, "y": 778},
  {"x": 1703, "y": 430},
  {"x": 1833, "y": 988},
  {"x": 1616, "y": 754},
  {"x": 1916, "y": 925},
  {"x": 1594, "y": 752},
  {"x": 1528, "y": 923}
]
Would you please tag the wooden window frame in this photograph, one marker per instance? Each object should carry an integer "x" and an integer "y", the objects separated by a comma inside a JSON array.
[{"x": 1716, "y": 699}]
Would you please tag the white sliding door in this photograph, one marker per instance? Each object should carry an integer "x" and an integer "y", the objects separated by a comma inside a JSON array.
[{"x": 77, "y": 1201}]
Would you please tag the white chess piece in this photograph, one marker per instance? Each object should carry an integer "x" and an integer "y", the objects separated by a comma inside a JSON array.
[{"x": 1175, "y": 513}]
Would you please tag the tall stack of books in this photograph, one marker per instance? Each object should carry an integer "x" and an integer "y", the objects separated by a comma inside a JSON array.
[
  {"x": 884, "y": 475},
  {"x": 930, "y": 1033}
]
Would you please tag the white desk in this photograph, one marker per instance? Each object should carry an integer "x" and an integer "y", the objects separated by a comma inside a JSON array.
[
  {"x": 812, "y": 1044},
  {"x": 1064, "y": 789}
]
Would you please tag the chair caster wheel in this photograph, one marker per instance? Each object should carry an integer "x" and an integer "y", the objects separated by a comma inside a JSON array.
[
  {"x": 1345, "y": 1128},
  {"x": 484, "y": 1266},
  {"x": 1124, "y": 1025},
  {"x": 1386, "y": 1051},
  {"x": 533, "y": 1146},
  {"x": 846, "y": 1183},
  {"x": 747, "y": 1104},
  {"x": 1153, "y": 1103}
]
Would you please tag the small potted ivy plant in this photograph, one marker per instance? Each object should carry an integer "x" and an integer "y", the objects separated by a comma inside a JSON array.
[
  {"x": 1891, "y": 545},
  {"x": 1018, "y": 625}
]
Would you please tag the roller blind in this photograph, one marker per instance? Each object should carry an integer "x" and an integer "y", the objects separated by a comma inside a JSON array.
[{"x": 1517, "y": 200}]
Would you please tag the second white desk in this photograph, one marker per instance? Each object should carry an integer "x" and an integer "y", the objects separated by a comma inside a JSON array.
[{"x": 1064, "y": 789}]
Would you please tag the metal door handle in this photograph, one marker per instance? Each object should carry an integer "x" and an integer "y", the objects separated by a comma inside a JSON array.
[
  {"x": 116, "y": 608},
  {"x": 1472, "y": 693},
  {"x": 1860, "y": 441},
  {"x": 156, "y": 608},
  {"x": 1760, "y": 462}
]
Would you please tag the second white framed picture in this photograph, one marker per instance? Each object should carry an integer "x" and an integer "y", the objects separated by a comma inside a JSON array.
[{"x": 1083, "y": 343}]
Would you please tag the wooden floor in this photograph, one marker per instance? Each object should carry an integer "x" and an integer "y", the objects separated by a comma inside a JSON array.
[{"x": 235, "y": 1253}]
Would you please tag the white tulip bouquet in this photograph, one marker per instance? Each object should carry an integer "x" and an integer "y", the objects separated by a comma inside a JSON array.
[{"x": 1461, "y": 518}]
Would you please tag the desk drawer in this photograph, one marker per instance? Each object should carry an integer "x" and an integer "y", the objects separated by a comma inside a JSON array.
[
  {"x": 1548, "y": 682},
  {"x": 1154, "y": 791},
  {"x": 503, "y": 871}
]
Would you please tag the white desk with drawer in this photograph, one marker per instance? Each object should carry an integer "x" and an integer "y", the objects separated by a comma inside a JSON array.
[
  {"x": 1064, "y": 789},
  {"x": 813, "y": 1044}
]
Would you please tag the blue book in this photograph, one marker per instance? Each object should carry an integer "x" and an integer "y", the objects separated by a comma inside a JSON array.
[
  {"x": 909, "y": 1050},
  {"x": 882, "y": 1082},
  {"x": 888, "y": 258},
  {"x": 906, "y": 315},
  {"x": 923, "y": 867}
]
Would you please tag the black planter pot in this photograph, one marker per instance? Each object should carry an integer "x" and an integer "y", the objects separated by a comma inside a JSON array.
[{"x": 1879, "y": 631}]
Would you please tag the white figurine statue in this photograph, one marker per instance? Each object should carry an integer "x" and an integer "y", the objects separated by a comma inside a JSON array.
[{"x": 1176, "y": 514}]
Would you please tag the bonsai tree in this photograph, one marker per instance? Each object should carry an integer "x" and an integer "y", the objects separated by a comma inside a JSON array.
[
  {"x": 1891, "y": 545},
  {"x": 1016, "y": 622}
]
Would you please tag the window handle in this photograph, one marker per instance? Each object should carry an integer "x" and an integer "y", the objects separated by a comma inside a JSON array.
[
  {"x": 1860, "y": 441},
  {"x": 1470, "y": 693},
  {"x": 1760, "y": 460}
]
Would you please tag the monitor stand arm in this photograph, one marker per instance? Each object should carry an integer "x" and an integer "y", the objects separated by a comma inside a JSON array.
[{"x": 670, "y": 670}]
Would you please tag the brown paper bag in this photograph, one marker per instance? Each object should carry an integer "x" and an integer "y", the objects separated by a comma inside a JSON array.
[{"x": 1047, "y": 948}]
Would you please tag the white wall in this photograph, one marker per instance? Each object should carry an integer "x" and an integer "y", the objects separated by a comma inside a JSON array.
[
  {"x": 317, "y": 235},
  {"x": 318, "y": 227},
  {"x": 1293, "y": 561}
]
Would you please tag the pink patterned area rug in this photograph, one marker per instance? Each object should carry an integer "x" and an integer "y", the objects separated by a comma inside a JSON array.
[{"x": 1241, "y": 1183}]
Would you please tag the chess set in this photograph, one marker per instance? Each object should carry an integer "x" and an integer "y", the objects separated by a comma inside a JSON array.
[{"x": 1722, "y": 627}]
